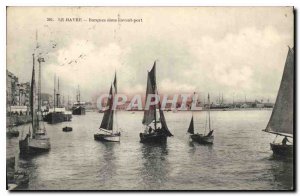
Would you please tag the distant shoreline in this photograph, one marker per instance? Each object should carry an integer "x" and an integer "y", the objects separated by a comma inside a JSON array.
[{"x": 226, "y": 109}]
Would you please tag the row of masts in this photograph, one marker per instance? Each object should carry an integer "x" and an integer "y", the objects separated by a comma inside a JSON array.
[{"x": 208, "y": 111}]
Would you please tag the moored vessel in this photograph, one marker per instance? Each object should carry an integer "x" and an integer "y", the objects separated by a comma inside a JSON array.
[
  {"x": 78, "y": 107},
  {"x": 15, "y": 177},
  {"x": 58, "y": 113},
  {"x": 37, "y": 141},
  {"x": 67, "y": 129},
  {"x": 12, "y": 132}
]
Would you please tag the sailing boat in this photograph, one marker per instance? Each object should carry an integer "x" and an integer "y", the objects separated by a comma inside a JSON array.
[
  {"x": 38, "y": 141},
  {"x": 281, "y": 121},
  {"x": 78, "y": 107},
  {"x": 107, "y": 132},
  {"x": 156, "y": 134},
  {"x": 202, "y": 138}
]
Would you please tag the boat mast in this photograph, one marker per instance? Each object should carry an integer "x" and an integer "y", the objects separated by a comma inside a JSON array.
[
  {"x": 78, "y": 95},
  {"x": 208, "y": 112},
  {"x": 155, "y": 117},
  {"x": 57, "y": 94},
  {"x": 40, "y": 60},
  {"x": 116, "y": 92},
  {"x": 54, "y": 94},
  {"x": 222, "y": 99},
  {"x": 40, "y": 83},
  {"x": 35, "y": 120},
  {"x": 68, "y": 101},
  {"x": 40, "y": 86},
  {"x": 155, "y": 90},
  {"x": 63, "y": 100}
]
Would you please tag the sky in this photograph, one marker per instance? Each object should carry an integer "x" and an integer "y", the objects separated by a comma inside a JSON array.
[{"x": 235, "y": 51}]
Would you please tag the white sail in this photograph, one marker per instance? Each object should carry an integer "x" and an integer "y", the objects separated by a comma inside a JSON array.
[{"x": 282, "y": 117}]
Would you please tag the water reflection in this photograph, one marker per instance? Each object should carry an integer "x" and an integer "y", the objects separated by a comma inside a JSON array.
[
  {"x": 282, "y": 171},
  {"x": 31, "y": 156},
  {"x": 77, "y": 161},
  {"x": 26, "y": 163},
  {"x": 154, "y": 171},
  {"x": 194, "y": 145},
  {"x": 107, "y": 168}
]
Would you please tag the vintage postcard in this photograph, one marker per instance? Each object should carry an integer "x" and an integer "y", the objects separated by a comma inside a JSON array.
[{"x": 150, "y": 98}]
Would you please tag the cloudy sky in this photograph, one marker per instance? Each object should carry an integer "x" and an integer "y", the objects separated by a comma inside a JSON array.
[{"x": 235, "y": 51}]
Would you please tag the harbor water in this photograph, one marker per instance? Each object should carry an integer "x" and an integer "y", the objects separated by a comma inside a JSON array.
[{"x": 239, "y": 159}]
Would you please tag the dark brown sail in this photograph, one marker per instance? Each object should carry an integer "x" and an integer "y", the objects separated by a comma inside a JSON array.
[
  {"x": 149, "y": 114},
  {"x": 108, "y": 117},
  {"x": 111, "y": 133},
  {"x": 164, "y": 123},
  {"x": 115, "y": 83},
  {"x": 34, "y": 118},
  {"x": 191, "y": 127},
  {"x": 152, "y": 76}
]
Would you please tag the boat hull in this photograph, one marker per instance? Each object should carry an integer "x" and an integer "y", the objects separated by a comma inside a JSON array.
[
  {"x": 67, "y": 129},
  {"x": 202, "y": 139},
  {"x": 12, "y": 133},
  {"x": 57, "y": 117},
  {"x": 281, "y": 150},
  {"x": 153, "y": 138},
  {"x": 107, "y": 137},
  {"x": 34, "y": 146},
  {"x": 78, "y": 111}
]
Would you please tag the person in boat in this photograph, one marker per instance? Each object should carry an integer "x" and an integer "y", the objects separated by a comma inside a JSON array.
[
  {"x": 150, "y": 130},
  {"x": 27, "y": 136},
  {"x": 210, "y": 133},
  {"x": 158, "y": 130},
  {"x": 285, "y": 140}
]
